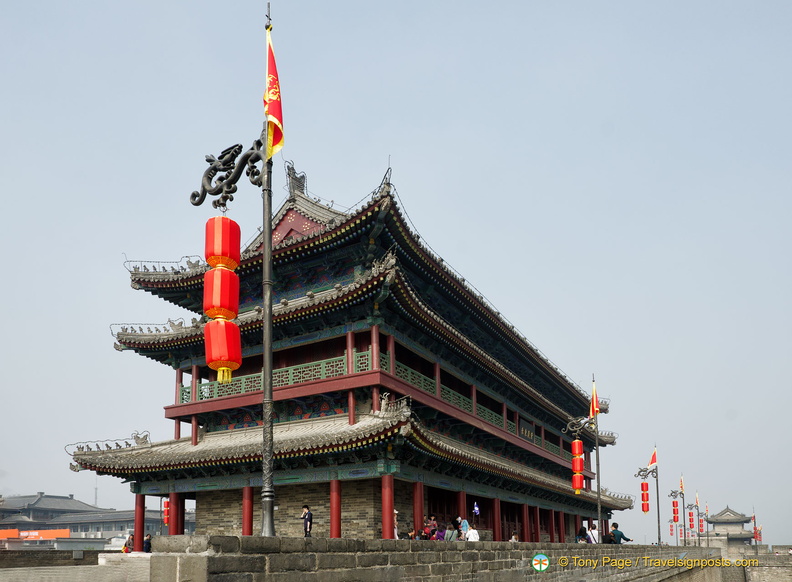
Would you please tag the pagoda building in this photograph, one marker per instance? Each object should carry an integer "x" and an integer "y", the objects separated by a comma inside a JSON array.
[
  {"x": 399, "y": 392},
  {"x": 729, "y": 533}
]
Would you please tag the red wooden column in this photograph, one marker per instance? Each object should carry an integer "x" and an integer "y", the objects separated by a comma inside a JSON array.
[
  {"x": 473, "y": 398},
  {"x": 375, "y": 347},
  {"x": 551, "y": 526},
  {"x": 247, "y": 511},
  {"x": 537, "y": 527},
  {"x": 525, "y": 530},
  {"x": 375, "y": 365},
  {"x": 391, "y": 354},
  {"x": 561, "y": 527},
  {"x": 335, "y": 508},
  {"x": 350, "y": 352},
  {"x": 173, "y": 521},
  {"x": 418, "y": 505},
  {"x": 462, "y": 505},
  {"x": 505, "y": 418},
  {"x": 496, "y": 520},
  {"x": 350, "y": 369},
  {"x": 387, "y": 507},
  {"x": 578, "y": 524},
  {"x": 438, "y": 389},
  {"x": 194, "y": 383},
  {"x": 194, "y": 426},
  {"x": 177, "y": 400},
  {"x": 140, "y": 522}
]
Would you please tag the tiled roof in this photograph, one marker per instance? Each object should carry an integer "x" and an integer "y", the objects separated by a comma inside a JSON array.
[
  {"x": 240, "y": 445},
  {"x": 316, "y": 436},
  {"x": 47, "y": 502}
]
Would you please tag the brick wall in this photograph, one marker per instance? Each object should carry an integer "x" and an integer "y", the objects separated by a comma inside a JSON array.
[
  {"x": 43, "y": 558},
  {"x": 220, "y": 512},
  {"x": 255, "y": 559}
]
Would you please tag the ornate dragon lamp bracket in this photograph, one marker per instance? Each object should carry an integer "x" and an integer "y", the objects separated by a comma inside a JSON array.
[{"x": 221, "y": 177}]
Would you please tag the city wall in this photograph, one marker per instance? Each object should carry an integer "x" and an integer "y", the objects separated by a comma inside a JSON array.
[{"x": 257, "y": 559}]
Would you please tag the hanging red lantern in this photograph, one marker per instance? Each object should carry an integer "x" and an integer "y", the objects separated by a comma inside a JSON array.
[
  {"x": 223, "y": 239},
  {"x": 645, "y": 496},
  {"x": 222, "y": 338},
  {"x": 165, "y": 512},
  {"x": 221, "y": 293},
  {"x": 223, "y": 348},
  {"x": 577, "y": 466},
  {"x": 701, "y": 525},
  {"x": 672, "y": 529},
  {"x": 675, "y": 505}
]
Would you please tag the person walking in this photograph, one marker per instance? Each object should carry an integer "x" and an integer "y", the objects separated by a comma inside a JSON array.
[{"x": 307, "y": 518}]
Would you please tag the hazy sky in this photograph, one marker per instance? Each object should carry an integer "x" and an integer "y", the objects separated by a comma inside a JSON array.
[{"x": 613, "y": 176}]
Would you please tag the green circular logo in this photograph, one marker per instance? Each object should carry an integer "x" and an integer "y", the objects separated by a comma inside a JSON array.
[{"x": 540, "y": 562}]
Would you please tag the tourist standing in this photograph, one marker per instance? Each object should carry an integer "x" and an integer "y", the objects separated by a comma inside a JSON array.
[
  {"x": 618, "y": 536},
  {"x": 593, "y": 534},
  {"x": 307, "y": 518}
]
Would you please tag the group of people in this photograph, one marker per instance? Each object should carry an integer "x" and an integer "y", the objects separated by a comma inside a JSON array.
[
  {"x": 591, "y": 536},
  {"x": 457, "y": 530},
  {"x": 129, "y": 545}
]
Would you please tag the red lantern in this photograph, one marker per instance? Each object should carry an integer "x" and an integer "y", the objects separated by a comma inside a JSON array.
[
  {"x": 221, "y": 293},
  {"x": 165, "y": 512},
  {"x": 645, "y": 507},
  {"x": 577, "y": 465},
  {"x": 222, "y": 243},
  {"x": 223, "y": 348},
  {"x": 675, "y": 505},
  {"x": 672, "y": 529},
  {"x": 701, "y": 525},
  {"x": 221, "y": 297}
]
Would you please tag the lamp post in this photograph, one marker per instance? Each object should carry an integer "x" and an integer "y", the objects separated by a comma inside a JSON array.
[
  {"x": 691, "y": 507},
  {"x": 576, "y": 426},
  {"x": 220, "y": 179},
  {"x": 680, "y": 493},
  {"x": 643, "y": 473}
]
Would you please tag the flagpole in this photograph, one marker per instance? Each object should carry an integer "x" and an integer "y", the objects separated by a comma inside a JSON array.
[
  {"x": 599, "y": 494},
  {"x": 267, "y": 485},
  {"x": 657, "y": 488}
]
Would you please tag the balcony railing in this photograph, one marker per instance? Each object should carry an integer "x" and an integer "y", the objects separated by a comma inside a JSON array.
[{"x": 335, "y": 367}]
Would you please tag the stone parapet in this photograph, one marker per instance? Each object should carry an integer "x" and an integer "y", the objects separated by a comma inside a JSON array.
[{"x": 256, "y": 559}]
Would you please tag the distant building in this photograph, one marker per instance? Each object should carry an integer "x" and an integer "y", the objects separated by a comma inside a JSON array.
[
  {"x": 729, "y": 534},
  {"x": 28, "y": 513},
  {"x": 35, "y": 511}
]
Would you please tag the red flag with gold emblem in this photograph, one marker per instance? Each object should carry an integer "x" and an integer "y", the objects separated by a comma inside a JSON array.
[
  {"x": 594, "y": 408},
  {"x": 272, "y": 103}
]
